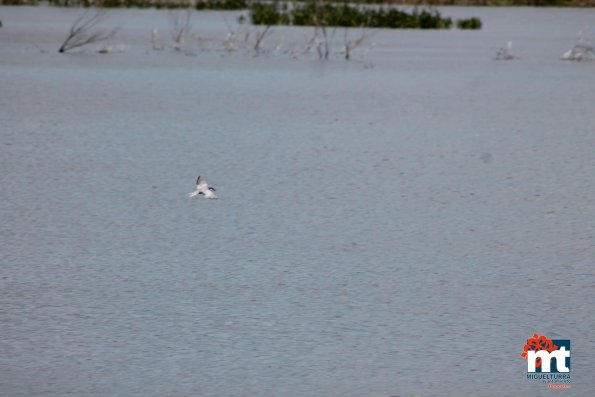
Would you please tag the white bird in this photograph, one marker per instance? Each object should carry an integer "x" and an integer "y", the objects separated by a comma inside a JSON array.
[
  {"x": 579, "y": 51},
  {"x": 202, "y": 187},
  {"x": 505, "y": 53},
  {"x": 568, "y": 55}
]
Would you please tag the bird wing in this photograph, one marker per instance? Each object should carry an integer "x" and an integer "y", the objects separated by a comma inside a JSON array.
[{"x": 201, "y": 185}]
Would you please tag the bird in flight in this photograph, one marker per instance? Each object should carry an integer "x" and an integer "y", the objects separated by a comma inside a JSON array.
[{"x": 202, "y": 187}]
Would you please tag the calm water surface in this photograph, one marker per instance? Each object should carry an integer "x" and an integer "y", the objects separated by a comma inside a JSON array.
[{"x": 397, "y": 226}]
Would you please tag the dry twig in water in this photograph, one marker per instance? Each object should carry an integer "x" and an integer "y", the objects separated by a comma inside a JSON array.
[{"x": 82, "y": 31}]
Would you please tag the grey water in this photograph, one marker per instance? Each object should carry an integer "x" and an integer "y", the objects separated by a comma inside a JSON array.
[{"x": 396, "y": 225}]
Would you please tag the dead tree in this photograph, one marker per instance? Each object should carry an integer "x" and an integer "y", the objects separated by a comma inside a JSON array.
[
  {"x": 321, "y": 37},
  {"x": 83, "y": 31},
  {"x": 350, "y": 46},
  {"x": 322, "y": 45},
  {"x": 230, "y": 43},
  {"x": 179, "y": 27},
  {"x": 259, "y": 38}
]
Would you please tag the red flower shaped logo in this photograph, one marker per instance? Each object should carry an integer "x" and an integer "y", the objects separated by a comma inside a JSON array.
[{"x": 537, "y": 343}]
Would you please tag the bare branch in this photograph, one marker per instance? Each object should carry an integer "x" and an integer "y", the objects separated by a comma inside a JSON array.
[
  {"x": 180, "y": 26},
  {"x": 350, "y": 46},
  {"x": 81, "y": 32},
  {"x": 230, "y": 43},
  {"x": 323, "y": 40},
  {"x": 260, "y": 36}
]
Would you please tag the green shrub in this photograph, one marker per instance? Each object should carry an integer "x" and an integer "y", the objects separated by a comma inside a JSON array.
[
  {"x": 19, "y": 3},
  {"x": 267, "y": 14},
  {"x": 346, "y": 15},
  {"x": 221, "y": 5},
  {"x": 433, "y": 20},
  {"x": 469, "y": 23},
  {"x": 158, "y": 4},
  {"x": 111, "y": 3}
]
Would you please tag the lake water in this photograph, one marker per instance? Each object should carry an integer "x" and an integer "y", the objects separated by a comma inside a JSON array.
[{"x": 397, "y": 225}]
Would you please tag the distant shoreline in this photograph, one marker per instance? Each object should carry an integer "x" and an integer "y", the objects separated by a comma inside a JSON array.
[
  {"x": 477, "y": 3},
  {"x": 430, "y": 3},
  {"x": 502, "y": 3}
]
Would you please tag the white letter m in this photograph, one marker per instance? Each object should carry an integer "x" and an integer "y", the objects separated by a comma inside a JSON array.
[{"x": 559, "y": 355}]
